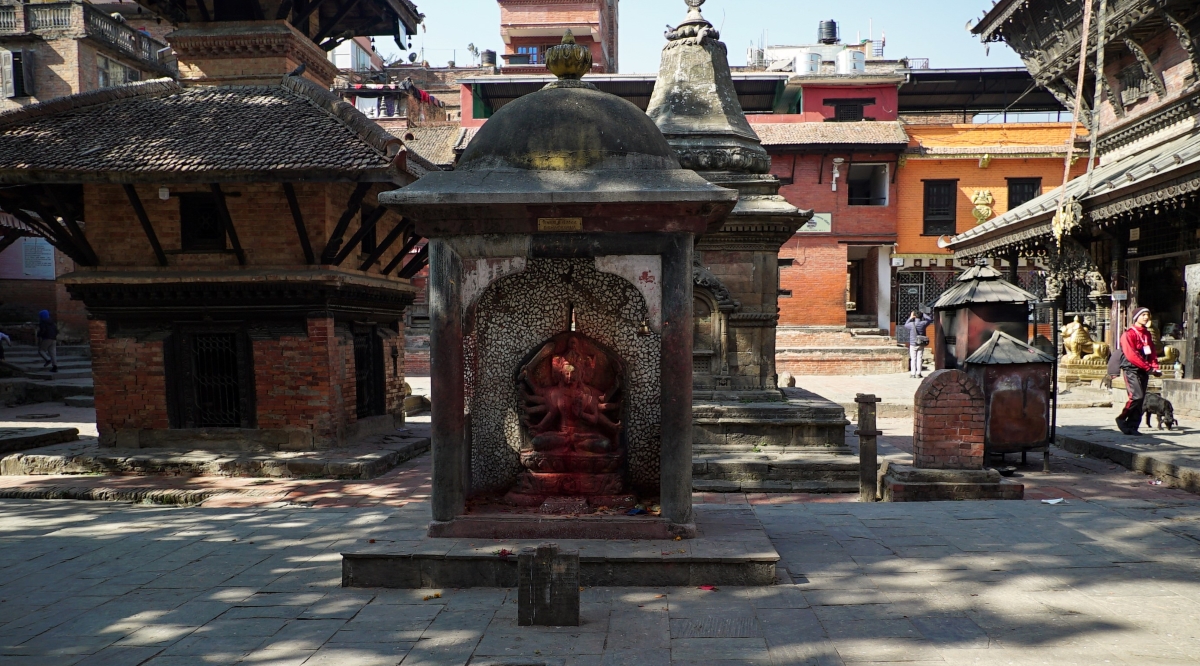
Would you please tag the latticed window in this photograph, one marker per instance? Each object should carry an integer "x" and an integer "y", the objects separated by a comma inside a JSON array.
[
  {"x": 848, "y": 113},
  {"x": 1021, "y": 190},
  {"x": 211, "y": 375},
  {"x": 940, "y": 201}
]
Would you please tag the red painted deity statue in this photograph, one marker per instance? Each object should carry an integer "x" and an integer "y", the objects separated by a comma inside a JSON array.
[{"x": 571, "y": 398}]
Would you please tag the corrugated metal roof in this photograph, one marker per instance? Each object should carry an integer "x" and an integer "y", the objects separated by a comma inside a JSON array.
[
  {"x": 1004, "y": 349},
  {"x": 982, "y": 284}
]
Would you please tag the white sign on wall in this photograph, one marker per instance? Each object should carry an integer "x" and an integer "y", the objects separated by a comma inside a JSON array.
[
  {"x": 821, "y": 223},
  {"x": 37, "y": 259}
]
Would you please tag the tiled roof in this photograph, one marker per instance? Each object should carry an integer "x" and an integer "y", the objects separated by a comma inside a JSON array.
[
  {"x": 159, "y": 131},
  {"x": 997, "y": 151},
  {"x": 883, "y": 133},
  {"x": 434, "y": 143}
]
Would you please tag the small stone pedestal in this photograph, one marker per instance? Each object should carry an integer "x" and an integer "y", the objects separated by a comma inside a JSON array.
[
  {"x": 548, "y": 587},
  {"x": 948, "y": 439}
]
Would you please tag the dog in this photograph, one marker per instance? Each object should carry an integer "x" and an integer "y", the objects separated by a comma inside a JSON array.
[{"x": 1157, "y": 405}]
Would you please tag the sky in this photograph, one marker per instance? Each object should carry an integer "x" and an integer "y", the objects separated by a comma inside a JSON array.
[{"x": 933, "y": 29}]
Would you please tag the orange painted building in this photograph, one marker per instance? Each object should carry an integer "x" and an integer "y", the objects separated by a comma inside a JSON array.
[{"x": 948, "y": 170}]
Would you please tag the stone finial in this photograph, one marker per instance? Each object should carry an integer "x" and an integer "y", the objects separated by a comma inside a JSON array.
[
  {"x": 694, "y": 9},
  {"x": 569, "y": 60}
]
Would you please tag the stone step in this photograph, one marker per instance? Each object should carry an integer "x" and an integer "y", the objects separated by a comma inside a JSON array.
[
  {"x": 22, "y": 390},
  {"x": 80, "y": 401},
  {"x": 47, "y": 375},
  {"x": 22, "y": 439},
  {"x": 62, "y": 351},
  {"x": 811, "y": 473}
]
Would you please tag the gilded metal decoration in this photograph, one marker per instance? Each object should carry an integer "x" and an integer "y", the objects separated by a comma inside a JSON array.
[
  {"x": 983, "y": 201},
  {"x": 569, "y": 60},
  {"x": 1067, "y": 219}
]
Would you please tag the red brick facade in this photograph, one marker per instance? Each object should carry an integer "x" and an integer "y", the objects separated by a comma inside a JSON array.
[
  {"x": 130, "y": 383},
  {"x": 948, "y": 422}
]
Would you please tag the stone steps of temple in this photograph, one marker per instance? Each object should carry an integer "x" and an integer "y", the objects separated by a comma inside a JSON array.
[
  {"x": 773, "y": 472},
  {"x": 23, "y": 390},
  {"x": 74, "y": 362},
  {"x": 831, "y": 337}
]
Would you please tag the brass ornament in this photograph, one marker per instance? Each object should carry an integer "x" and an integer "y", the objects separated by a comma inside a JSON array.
[
  {"x": 983, "y": 201},
  {"x": 1067, "y": 219},
  {"x": 568, "y": 60}
]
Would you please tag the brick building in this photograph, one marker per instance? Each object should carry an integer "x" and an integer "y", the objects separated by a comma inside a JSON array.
[
  {"x": 49, "y": 50},
  {"x": 530, "y": 27},
  {"x": 244, "y": 286}
]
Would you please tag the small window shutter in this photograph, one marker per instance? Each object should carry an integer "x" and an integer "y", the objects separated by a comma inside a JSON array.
[
  {"x": 6, "y": 70},
  {"x": 27, "y": 60}
]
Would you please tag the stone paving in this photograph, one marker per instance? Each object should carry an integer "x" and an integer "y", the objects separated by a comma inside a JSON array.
[{"x": 252, "y": 576}]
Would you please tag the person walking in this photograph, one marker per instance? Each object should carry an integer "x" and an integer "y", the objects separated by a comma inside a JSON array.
[
  {"x": 4, "y": 340},
  {"x": 1139, "y": 360},
  {"x": 47, "y": 340},
  {"x": 916, "y": 326}
]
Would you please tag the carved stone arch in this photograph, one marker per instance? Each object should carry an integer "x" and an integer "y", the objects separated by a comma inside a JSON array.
[
  {"x": 710, "y": 331},
  {"x": 704, "y": 279}
]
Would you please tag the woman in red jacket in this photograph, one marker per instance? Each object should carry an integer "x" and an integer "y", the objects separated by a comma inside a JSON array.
[{"x": 1140, "y": 360}]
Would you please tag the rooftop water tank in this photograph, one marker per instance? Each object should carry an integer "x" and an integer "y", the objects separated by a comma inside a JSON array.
[
  {"x": 808, "y": 63},
  {"x": 851, "y": 62},
  {"x": 827, "y": 33},
  {"x": 487, "y": 58}
]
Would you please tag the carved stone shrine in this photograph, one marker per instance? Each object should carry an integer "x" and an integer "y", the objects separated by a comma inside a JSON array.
[{"x": 561, "y": 319}]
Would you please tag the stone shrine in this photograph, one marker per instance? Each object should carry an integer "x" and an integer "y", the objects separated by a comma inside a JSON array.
[
  {"x": 739, "y": 410},
  {"x": 561, "y": 310}
]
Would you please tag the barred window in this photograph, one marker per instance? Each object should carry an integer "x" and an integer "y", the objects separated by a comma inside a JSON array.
[{"x": 940, "y": 200}]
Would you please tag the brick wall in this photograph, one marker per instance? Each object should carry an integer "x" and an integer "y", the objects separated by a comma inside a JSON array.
[
  {"x": 57, "y": 62},
  {"x": 1172, "y": 63},
  {"x": 294, "y": 385},
  {"x": 817, "y": 280},
  {"x": 130, "y": 383},
  {"x": 849, "y": 361},
  {"x": 948, "y": 422}
]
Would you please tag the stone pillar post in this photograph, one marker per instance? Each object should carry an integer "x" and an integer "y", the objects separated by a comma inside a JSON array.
[
  {"x": 676, "y": 371},
  {"x": 451, "y": 456}
]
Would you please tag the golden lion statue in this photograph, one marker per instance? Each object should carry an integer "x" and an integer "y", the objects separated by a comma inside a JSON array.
[{"x": 1080, "y": 346}]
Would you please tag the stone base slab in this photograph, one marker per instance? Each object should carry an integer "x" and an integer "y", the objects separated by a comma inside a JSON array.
[
  {"x": 22, "y": 439},
  {"x": 731, "y": 548},
  {"x": 902, "y": 483},
  {"x": 543, "y": 526},
  {"x": 805, "y": 420},
  {"x": 368, "y": 460},
  {"x": 247, "y": 439}
]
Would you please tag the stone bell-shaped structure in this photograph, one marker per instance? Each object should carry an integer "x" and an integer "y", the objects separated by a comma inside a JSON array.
[
  {"x": 736, "y": 270},
  {"x": 561, "y": 317}
]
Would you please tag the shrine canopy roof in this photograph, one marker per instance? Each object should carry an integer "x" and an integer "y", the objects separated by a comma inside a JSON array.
[
  {"x": 1112, "y": 190},
  {"x": 982, "y": 284},
  {"x": 160, "y": 132},
  {"x": 1004, "y": 349}
]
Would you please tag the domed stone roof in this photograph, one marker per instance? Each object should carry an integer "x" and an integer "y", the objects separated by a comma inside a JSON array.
[{"x": 569, "y": 128}]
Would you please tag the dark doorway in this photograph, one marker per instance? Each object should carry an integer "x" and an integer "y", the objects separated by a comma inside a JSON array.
[{"x": 369, "y": 381}]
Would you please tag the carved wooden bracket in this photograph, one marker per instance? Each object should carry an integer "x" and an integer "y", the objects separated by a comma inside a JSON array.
[
  {"x": 1186, "y": 41},
  {"x": 1147, "y": 67}
]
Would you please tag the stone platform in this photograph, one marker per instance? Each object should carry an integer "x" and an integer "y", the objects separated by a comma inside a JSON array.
[
  {"x": 902, "y": 483},
  {"x": 368, "y": 459},
  {"x": 23, "y": 438},
  {"x": 731, "y": 548},
  {"x": 797, "y": 444}
]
